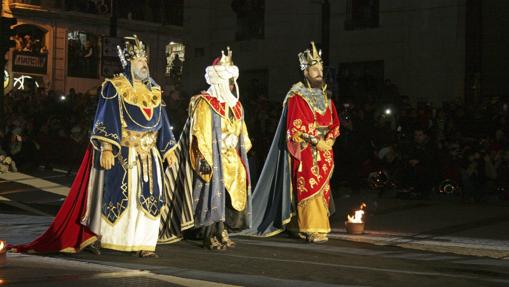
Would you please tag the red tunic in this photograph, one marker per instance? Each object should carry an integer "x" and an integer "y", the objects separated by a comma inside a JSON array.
[
  {"x": 220, "y": 108},
  {"x": 311, "y": 168}
]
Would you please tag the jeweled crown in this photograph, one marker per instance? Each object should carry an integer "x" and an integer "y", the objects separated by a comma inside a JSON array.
[
  {"x": 309, "y": 58},
  {"x": 134, "y": 48},
  {"x": 226, "y": 60}
]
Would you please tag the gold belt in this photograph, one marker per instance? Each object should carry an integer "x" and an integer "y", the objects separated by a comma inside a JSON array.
[
  {"x": 321, "y": 132},
  {"x": 142, "y": 141}
]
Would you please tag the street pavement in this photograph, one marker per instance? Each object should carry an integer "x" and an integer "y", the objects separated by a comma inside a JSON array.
[{"x": 439, "y": 242}]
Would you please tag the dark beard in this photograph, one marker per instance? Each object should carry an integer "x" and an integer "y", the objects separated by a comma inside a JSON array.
[{"x": 316, "y": 84}]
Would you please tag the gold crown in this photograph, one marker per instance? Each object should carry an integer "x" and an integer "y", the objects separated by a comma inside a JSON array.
[
  {"x": 310, "y": 58},
  {"x": 133, "y": 48},
  {"x": 226, "y": 60}
]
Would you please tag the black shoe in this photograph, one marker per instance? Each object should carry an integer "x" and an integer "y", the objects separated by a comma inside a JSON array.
[
  {"x": 147, "y": 254},
  {"x": 94, "y": 248}
]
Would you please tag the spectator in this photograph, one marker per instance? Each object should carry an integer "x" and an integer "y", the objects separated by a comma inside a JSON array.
[{"x": 420, "y": 160}]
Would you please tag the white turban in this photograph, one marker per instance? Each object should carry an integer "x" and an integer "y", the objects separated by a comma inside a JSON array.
[{"x": 218, "y": 77}]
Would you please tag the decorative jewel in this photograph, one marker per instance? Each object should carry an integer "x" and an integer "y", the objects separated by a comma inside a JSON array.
[
  {"x": 310, "y": 58},
  {"x": 134, "y": 48}
]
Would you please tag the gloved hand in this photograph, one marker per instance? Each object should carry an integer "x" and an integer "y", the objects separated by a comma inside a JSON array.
[
  {"x": 107, "y": 159},
  {"x": 323, "y": 145},
  {"x": 204, "y": 167},
  {"x": 171, "y": 158}
]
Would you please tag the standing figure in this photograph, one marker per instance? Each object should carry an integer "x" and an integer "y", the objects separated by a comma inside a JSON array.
[
  {"x": 119, "y": 190},
  {"x": 133, "y": 134},
  {"x": 295, "y": 177},
  {"x": 214, "y": 143}
]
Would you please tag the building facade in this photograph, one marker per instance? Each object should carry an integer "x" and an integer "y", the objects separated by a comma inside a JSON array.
[
  {"x": 65, "y": 45},
  {"x": 420, "y": 46}
]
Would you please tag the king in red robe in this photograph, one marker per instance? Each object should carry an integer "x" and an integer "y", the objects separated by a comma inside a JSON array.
[{"x": 296, "y": 175}]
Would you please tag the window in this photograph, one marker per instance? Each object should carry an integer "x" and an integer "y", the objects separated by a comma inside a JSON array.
[
  {"x": 30, "y": 39},
  {"x": 175, "y": 56},
  {"x": 250, "y": 19},
  {"x": 82, "y": 60},
  {"x": 97, "y": 7},
  {"x": 362, "y": 14},
  {"x": 173, "y": 12},
  {"x": 110, "y": 63},
  {"x": 31, "y": 53},
  {"x": 170, "y": 12}
]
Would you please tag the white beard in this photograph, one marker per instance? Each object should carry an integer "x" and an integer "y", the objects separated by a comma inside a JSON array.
[
  {"x": 218, "y": 77},
  {"x": 140, "y": 75},
  {"x": 223, "y": 94}
]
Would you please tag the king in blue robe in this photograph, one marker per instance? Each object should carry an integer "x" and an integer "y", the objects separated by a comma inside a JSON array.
[{"x": 131, "y": 136}]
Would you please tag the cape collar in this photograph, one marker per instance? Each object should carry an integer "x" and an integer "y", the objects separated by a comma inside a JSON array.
[
  {"x": 222, "y": 108},
  {"x": 313, "y": 97}
]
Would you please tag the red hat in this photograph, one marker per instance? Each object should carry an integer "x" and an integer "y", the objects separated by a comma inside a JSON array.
[{"x": 216, "y": 61}]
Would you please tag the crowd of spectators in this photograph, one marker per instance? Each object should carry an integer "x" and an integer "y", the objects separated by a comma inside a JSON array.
[
  {"x": 423, "y": 150},
  {"x": 46, "y": 129},
  {"x": 420, "y": 149},
  {"x": 29, "y": 43}
]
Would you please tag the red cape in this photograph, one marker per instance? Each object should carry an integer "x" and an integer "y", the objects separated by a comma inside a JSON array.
[{"x": 66, "y": 233}]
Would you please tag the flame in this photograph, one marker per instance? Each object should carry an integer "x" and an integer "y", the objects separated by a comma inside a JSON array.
[
  {"x": 357, "y": 218},
  {"x": 2, "y": 245}
]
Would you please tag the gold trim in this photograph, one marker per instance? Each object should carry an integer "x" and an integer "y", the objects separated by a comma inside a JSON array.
[
  {"x": 102, "y": 89},
  {"x": 104, "y": 139},
  {"x": 118, "y": 218},
  {"x": 170, "y": 150},
  {"x": 277, "y": 231},
  {"x": 84, "y": 244},
  {"x": 187, "y": 225},
  {"x": 140, "y": 190},
  {"x": 127, "y": 247},
  {"x": 227, "y": 109},
  {"x": 173, "y": 239},
  {"x": 274, "y": 233},
  {"x": 135, "y": 122},
  {"x": 315, "y": 230},
  {"x": 88, "y": 242},
  {"x": 65, "y": 250},
  {"x": 320, "y": 191},
  {"x": 120, "y": 82}
]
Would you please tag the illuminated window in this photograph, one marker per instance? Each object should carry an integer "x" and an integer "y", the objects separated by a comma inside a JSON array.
[
  {"x": 97, "y": 7},
  {"x": 30, "y": 38},
  {"x": 31, "y": 53},
  {"x": 175, "y": 57},
  {"x": 82, "y": 59}
]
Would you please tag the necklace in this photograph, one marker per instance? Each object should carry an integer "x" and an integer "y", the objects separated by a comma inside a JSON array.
[{"x": 313, "y": 97}]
